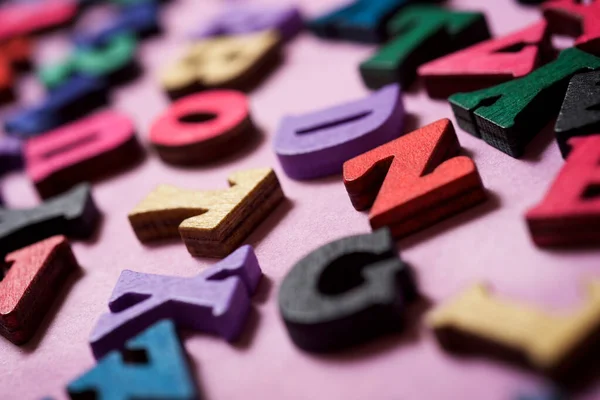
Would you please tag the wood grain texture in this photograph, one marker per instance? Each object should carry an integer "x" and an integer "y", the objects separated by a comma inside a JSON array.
[
  {"x": 509, "y": 115},
  {"x": 27, "y": 290},
  {"x": 414, "y": 181},
  {"x": 231, "y": 62},
  {"x": 550, "y": 342},
  {"x": 211, "y": 223},
  {"x": 420, "y": 33},
  {"x": 153, "y": 365},
  {"x": 203, "y": 127},
  {"x": 346, "y": 292},
  {"x": 488, "y": 63},
  {"x": 569, "y": 214},
  {"x": 578, "y": 19},
  {"x": 217, "y": 301},
  {"x": 82, "y": 151},
  {"x": 580, "y": 112}
]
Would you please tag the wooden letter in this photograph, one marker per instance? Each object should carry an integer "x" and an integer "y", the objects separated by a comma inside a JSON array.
[
  {"x": 580, "y": 112},
  {"x": 28, "y": 289},
  {"x": 27, "y": 18},
  {"x": 153, "y": 365},
  {"x": 415, "y": 180},
  {"x": 203, "y": 127},
  {"x": 489, "y": 63},
  {"x": 73, "y": 100},
  {"x": 216, "y": 301},
  {"x": 317, "y": 144},
  {"x": 570, "y": 212},
  {"x": 140, "y": 17},
  {"x": 420, "y": 34},
  {"x": 11, "y": 157},
  {"x": 360, "y": 21},
  {"x": 14, "y": 55},
  {"x": 545, "y": 341},
  {"x": 509, "y": 115},
  {"x": 113, "y": 59},
  {"x": 243, "y": 19},
  {"x": 211, "y": 223},
  {"x": 576, "y": 18},
  {"x": 81, "y": 151},
  {"x": 346, "y": 292},
  {"x": 232, "y": 62},
  {"x": 72, "y": 214}
]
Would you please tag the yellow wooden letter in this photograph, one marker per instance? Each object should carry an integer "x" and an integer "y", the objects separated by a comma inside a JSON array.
[
  {"x": 545, "y": 339},
  {"x": 211, "y": 223},
  {"x": 233, "y": 62}
]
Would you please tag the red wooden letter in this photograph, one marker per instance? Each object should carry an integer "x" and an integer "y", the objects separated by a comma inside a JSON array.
[
  {"x": 570, "y": 212},
  {"x": 28, "y": 288},
  {"x": 202, "y": 127},
  {"x": 81, "y": 151},
  {"x": 577, "y": 19},
  {"x": 415, "y": 180},
  {"x": 489, "y": 63},
  {"x": 14, "y": 54}
]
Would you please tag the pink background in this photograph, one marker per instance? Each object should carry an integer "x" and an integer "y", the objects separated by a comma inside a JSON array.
[{"x": 488, "y": 243}]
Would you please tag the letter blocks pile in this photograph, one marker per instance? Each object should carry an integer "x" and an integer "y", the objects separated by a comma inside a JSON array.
[{"x": 503, "y": 90}]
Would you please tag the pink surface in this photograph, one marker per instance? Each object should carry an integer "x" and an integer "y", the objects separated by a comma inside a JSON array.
[{"x": 488, "y": 243}]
